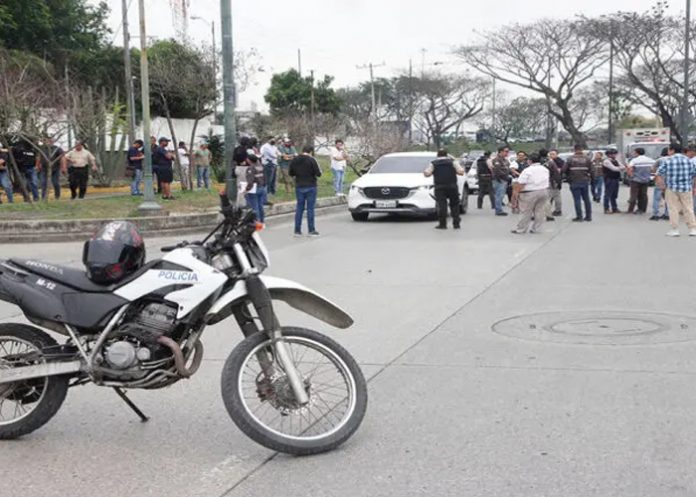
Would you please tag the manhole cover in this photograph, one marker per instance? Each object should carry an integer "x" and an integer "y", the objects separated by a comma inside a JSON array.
[{"x": 599, "y": 328}]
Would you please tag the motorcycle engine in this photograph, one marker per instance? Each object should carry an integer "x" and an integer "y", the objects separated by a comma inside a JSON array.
[{"x": 136, "y": 342}]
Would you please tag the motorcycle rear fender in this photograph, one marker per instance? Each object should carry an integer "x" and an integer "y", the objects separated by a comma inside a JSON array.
[{"x": 295, "y": 295}]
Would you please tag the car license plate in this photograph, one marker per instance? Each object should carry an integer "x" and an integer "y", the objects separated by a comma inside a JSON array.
[{"x": 386, "y": 204}]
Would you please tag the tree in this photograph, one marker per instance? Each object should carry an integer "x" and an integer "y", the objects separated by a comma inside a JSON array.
[
  {"x": 444, "y": 102},
  {"x": 649, "y": 53},
  {"x": 183, "y": 85},
  {"x": 521, "y": 117},
  {"x": 291, "y": 93},
  {"x": 551, "y": 57}
]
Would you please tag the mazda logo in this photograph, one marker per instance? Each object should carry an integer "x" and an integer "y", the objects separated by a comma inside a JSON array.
[{"x": 386, "y": 191}]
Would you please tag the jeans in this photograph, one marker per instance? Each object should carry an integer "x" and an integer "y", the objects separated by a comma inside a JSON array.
[
  {"x": 137, "y": 179},
  {"x": 269, "y": 172},
  {"x": 611, "y": 193},
  {"x": 657, "y": 198},
  {"x": 443, "y": 196},
  {"x": 306, "y": 197},
  {"x": 55, "y": 182},
  {"x": 6, "y": 185},
  {"x": 256, "y": 200},
  {"x": 639, "y": 195},
  {"x": 581, "y": 194},
  {"x": 597, "y": 187},
  {"x": 32, "y": 182},
  {"x": 338, "y": 176},
  {"x": 203, "y": 176},
  {"x": 500, "y": 188}
]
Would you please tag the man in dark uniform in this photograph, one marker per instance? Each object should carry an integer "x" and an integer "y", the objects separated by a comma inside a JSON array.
[
  {"x": 501, "y": 178},
  {"x": 444, "y": 171},
  {"x": 485, "y": 180},
  {"x": 580, "y": 173}
]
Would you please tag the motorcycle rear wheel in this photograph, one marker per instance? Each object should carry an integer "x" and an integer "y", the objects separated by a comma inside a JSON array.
[
  {"x": 27, "y": 405},
  {"x": 264, "y": 408}
]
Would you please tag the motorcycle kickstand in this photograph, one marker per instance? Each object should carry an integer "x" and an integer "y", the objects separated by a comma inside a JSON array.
[{"x": 129, "y": 403}]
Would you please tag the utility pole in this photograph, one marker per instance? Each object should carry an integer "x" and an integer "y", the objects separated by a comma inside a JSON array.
[
  {"x": 229, "y": 97},
  {"x": 685, "y": 102},
  {"x": 299, "y": 61},
  {"x": 311, "y": 104},
  {"x": 611, "y": 82},
  {"x": 371, "y": 67},
  {"x": 410, "y": 101},
  {"x": 69, "y": 100},
  {"x": 149, "y": 205},
  {"x": 130, "y": 97},
  {"x": 212, "y": 32}
]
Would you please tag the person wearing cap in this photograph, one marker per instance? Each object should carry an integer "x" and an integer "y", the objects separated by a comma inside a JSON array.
[
  {"x": 79, "y": 158},
  {"x": 612, "y": 181},
  {"x": 164, "y": 159},
  {"x": 286, "y": 153}
]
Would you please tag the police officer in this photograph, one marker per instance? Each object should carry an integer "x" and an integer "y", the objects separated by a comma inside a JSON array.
[
  {"x": 444, "y": 171},
  {"x": 485, "y": 180}
]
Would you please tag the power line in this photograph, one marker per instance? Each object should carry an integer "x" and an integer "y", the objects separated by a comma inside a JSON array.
[{"x": 120, "y": 25}]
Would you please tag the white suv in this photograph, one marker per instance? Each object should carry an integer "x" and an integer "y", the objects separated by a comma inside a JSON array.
[{"x": 395, "y": 184}]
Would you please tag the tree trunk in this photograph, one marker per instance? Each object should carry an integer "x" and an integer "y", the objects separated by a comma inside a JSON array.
[
  {"x": 566, "y": 120},
  {"x": 174, "y": 140},
  {"x": 20, "y": 178},
  {"x": 191, "y": 150}
]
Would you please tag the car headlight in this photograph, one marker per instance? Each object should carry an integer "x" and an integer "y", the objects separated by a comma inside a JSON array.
[
  {"x": 356, "y": 189},
  {"x": 422, "y": 188}
]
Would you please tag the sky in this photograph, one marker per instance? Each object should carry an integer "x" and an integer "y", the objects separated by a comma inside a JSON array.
[{"x": 336, "y": 37}]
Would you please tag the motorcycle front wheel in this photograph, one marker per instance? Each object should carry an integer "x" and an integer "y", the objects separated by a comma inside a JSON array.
[{"x": 261, "y": 402}]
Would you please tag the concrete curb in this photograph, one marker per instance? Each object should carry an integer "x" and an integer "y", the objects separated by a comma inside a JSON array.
[{"x": 43, "y": 231}]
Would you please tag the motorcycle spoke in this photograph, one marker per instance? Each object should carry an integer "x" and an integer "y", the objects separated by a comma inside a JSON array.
[{"x": 19, "y": 399}]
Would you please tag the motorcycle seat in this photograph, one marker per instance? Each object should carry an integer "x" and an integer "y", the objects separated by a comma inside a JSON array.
[{"x": 68, "y": 276}]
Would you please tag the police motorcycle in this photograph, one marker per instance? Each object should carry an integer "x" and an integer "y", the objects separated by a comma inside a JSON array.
[{"x": 135, "y": 325}]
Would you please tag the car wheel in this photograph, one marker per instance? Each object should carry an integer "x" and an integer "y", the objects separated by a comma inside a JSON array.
[
  {"x": 464, "y": 204},
  {"x": 360, "y": 216}
]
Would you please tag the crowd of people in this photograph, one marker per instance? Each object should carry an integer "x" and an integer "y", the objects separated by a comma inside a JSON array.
[
  {"x": 163, "y": 157},
  {"x": 35, "y": 167},
  {"x": 259, "y": 169},
  {"x": 533, "y": 184}
]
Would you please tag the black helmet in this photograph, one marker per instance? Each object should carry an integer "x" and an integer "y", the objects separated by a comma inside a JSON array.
[{"x": 115, "y": 251}]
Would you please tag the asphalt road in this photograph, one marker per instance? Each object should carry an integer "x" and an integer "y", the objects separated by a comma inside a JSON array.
[{"x": 591, "y": 396}]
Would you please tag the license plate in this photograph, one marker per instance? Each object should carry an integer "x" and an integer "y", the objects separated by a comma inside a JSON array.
[{"x": 385, "y": 204}]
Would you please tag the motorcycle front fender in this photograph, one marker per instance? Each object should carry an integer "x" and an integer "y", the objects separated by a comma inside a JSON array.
[{"x": 295, "y": 295}]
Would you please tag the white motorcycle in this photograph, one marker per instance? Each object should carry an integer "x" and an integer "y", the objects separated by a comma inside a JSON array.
[{"x": 292, "y": 390}]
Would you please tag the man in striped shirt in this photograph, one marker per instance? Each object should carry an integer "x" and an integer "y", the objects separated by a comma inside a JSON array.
[{"x": 676, "y": 175}]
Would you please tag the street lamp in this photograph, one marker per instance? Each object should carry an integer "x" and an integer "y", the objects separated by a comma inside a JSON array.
[{"x": 212, "y": 31}]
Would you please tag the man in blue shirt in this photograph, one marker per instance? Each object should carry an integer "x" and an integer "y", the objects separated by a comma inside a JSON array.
[
  {"x": 676, "y": 176},
  {"x": 135, "y": 162}
]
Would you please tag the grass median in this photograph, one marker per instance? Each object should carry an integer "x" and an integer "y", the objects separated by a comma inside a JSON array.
[{"x": 117, "y": 203}]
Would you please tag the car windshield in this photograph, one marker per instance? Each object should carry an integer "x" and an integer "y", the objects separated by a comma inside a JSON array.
[{"x": 400, "y": 165}]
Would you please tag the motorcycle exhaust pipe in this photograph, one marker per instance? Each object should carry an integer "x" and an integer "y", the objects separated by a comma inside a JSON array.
[
  {"x": 179, "y": 360},
  {"x": 39, "y": 371}
]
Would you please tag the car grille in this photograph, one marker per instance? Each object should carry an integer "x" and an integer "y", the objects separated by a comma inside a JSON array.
[{"x": 386, "y": 192}]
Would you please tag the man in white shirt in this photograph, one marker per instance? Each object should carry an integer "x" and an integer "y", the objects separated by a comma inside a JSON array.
[
  {"x": 185, "y": 161},
  {"x": 76, "y": 162},
  {"x": 339, "y": 160},
  {"x": 269, "y": 159},
  {"x": 532, "y": 188}
]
